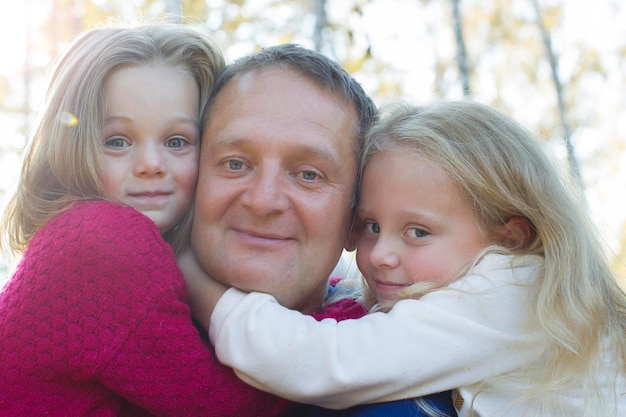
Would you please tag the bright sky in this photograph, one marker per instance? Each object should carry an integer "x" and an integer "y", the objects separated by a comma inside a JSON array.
[{"x": 15, "y": 20}]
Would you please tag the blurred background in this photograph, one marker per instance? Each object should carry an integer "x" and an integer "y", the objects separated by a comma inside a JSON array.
[{"x": 558, "y": 66}]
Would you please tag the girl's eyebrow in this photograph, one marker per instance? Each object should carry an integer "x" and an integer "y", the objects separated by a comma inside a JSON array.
[{"x": 124, "y": 118}]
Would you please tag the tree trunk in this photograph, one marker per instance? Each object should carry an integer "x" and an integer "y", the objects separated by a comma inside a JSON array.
[
  {"x": 320, "y": 24},
  {"x": 545, "y": 36},
  {"x": 174, "y": 9},
  {"x": 461, "y": 53}
]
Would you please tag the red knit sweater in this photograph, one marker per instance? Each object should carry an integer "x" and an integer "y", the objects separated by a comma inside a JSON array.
[{"x": 94, "y": 322}]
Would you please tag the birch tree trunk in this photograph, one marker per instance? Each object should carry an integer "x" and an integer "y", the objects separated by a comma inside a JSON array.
[
  {"x": 460, "y": 48},
  {"x": 320, "y": 24},
  {"x": 174, "y": 10},
  {"x": 558, "y": 86}
]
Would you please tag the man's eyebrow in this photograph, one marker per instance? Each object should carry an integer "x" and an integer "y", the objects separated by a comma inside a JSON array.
[
  {"x": 300, "y": 149},
  {"x": 227, "y": 142},
  {"x": 320, "y": 153}
]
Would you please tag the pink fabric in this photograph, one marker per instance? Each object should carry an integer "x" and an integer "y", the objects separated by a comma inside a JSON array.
[
  {"x": 94, "y": 319},
  {"x": 343, "y": 309},
  {"x": 94, "y": 322}
]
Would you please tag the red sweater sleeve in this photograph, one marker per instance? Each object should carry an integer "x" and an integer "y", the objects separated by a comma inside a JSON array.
[{"x": 116, "y": 305}]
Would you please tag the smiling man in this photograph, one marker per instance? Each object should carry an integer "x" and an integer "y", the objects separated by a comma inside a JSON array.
[
  {"x": 282, "y": 142},
  {"x": 278, "y": 169}
]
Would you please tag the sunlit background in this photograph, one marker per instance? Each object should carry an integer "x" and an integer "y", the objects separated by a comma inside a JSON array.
[{"x": 397, "y": 49}]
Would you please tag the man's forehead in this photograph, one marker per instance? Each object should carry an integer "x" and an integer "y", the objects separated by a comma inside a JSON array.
[{"x": 257, "y": 89}]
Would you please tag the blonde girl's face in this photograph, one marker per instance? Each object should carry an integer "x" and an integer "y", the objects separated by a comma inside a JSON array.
[
  {"x": 151, "y": 141},
  {"x": 414, "y": 225}
]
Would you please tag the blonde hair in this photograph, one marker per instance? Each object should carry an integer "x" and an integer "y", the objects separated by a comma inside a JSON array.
[
  {"x": 61, "y": 163},
  {"x": 503, "y": 172}
]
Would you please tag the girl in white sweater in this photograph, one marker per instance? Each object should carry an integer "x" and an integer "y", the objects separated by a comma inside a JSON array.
[{"x": 489, "y": 275}]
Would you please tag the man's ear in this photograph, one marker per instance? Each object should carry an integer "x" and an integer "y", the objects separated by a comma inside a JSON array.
[{"x": 516, "y": 233}]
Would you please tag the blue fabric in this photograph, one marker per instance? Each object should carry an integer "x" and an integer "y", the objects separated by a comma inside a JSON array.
[{"x": 404, "y": 408}]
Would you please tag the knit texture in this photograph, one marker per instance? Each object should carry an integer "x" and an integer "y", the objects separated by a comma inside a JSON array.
[{"x": 94, "y": 322}]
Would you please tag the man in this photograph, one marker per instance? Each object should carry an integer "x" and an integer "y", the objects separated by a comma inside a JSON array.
[
  {"x": 283, "y": 131},
  {"x": 282, "y": 136}
]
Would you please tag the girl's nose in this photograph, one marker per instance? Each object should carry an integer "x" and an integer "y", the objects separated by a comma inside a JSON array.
[
  {"x": 383, "y": 254},
  {"x": 149, "y": 161}
]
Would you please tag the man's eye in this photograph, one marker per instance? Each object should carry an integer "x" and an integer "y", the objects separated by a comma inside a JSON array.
[
  {"x": 417, "y": 232},
  {"x": 309, "y": 175},
  {"x": 234, "y": 164},
  {"x": 116, "y": 142},
  {"x": 175, "y": 143}
]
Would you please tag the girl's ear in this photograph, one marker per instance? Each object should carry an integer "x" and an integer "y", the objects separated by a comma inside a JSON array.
[{"x": 516, "y": 233}]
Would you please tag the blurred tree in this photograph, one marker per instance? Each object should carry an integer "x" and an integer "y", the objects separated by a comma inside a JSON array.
[
  {"x": 558, "y": 86},
  {"x": 320, "y": 24},
  {"x": 460, "y": 46},
  {"x": 174, "y": 11},
  {"x": 493, "y": 49}
]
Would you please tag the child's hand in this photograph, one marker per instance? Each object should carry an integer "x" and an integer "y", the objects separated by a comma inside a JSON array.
[{"x": 204, "y": 291}]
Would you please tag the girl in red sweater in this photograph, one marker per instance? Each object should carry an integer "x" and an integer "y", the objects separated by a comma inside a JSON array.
[{"x": 94, "y": 318}]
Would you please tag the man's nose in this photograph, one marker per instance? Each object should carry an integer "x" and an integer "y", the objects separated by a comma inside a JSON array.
[{"x": 267, "y": 192}]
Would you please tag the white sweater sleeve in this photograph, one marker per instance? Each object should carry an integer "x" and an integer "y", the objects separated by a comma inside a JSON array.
[{"x": 481, "y": 326}]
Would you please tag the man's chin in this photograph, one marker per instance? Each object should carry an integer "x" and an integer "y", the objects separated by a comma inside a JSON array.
[{"x": 277, "y": 290}]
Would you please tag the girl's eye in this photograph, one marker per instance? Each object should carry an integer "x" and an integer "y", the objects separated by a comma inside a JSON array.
[
  {"x": 176, "y": 142},
  {"x": 116, "y": 142},
  {"x": 416, "y": 233},
  {"x": 372, "y": 227}
]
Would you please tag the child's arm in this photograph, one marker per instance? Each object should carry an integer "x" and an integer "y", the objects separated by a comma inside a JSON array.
[
  {"x": 448, "y": 339},
  {"x": 203, "y": 291}
]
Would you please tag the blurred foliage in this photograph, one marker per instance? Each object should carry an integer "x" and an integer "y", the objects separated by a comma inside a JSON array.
[{"x": 507, "y": 62}]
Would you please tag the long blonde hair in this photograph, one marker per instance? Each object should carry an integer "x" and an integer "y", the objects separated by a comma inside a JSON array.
[
  {"x": 503, "y": 172},
  {"x": 61, "y": 163}
]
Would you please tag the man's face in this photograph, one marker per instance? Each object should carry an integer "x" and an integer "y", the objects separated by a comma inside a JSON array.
[{"x": 277, "y": 172}]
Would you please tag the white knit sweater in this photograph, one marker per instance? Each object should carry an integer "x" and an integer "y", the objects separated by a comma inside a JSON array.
[{"x": 478, "y": 328}]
